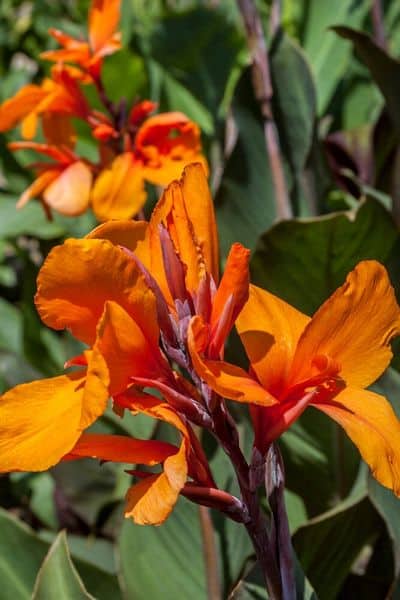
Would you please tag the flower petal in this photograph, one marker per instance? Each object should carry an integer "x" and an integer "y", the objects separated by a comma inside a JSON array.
[
  {"x": 353, "y": 327},
  {"x": 120, "y": 448},
  {"x": 78, "y": 277},
  {"x": 270, "y": 329},
  {"x": 371, "y": 424},
  {"x": 36, "y": 188},
  {"x": 104, "y": 17},
  {"x": 41, "y": 421},
  {"x": 151, "y": 501},
  {"x": 227, "y": 380},
  {"x": 19, "y": 106},
  {"x": 119, "y": 192},
  {"x": 125, "y": 350},
  {"x": 129, "y": 234},
  {"x": 69, "y": 193},
  {"x": 233, "y": 288}
]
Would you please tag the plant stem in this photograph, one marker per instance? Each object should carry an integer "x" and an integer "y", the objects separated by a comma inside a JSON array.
[
  {"x": 377, "y": 23},
  {"x": 263, "y": 92},
  {"x": 210, "y": 554},
  {"x": 226, "y": 432}
]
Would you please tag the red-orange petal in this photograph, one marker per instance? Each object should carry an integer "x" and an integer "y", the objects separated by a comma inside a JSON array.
[{"x": 123, "y": 449}]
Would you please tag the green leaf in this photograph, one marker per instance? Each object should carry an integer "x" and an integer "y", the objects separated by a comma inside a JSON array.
[
  {"x": 385, "y": 69},
  {"x": 10, "y": 327},
  {"x": 329, "y": 60},
  {"x": 252, "y": 587},
  {"x": 164, "y": 562},
  {"x": 328, "y": 544},
  {"x": 294, "y": 100},
  {"x": 304, "y": 261},
  {"x": 21, "y": 554},
  {"x": 30, "y": 220},
  {"x": 57, "y": 578}
]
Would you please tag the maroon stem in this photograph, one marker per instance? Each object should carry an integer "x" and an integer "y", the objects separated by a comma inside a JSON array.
[{"x": 263, "y": 92}]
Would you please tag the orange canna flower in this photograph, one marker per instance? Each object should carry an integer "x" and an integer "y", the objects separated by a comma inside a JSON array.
[
  {"x": 103, "y": 39},
  {"x": 325, "y": 362},
  {"x": 162, "y": 146},
  {"x": 104, "y": 300}
]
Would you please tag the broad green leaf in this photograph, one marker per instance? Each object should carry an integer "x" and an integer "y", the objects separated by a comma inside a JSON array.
[
  {"x": 21, "y": 554},
  {"x": 328, "y": 544},
  {"x": 304, "y": 261},
  {"x": 57, "y": 578},
  {"x": 164, "y": 562},
  {"x": 385, "y": 69},
  {"x": 329, "y": 60},
  {"x": 177, "y": 96}
]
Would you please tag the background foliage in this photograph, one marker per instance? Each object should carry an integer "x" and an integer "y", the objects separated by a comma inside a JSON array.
[{"x": 335, "y": 104}]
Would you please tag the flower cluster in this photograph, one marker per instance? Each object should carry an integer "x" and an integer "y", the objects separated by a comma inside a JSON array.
[
  {"x": 133, "y": 145},
  {"x": 147, "y": 300}
]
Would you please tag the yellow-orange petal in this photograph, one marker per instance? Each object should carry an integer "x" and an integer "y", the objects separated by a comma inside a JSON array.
[
  {"x": 200, "y": 209},
  {"x": 224, "y": 378},
  {"x": 104, "y": 17},
  {"x": 19, "y": 106},
  {"x": 41, "y": 421},
  {"x": 125, "y": 349},
  {"x": 69, "y": 193},
  {"x": 120, "y": 448},
  {"x": 353, "y": 327},
  {"x": 270, "y": 329},
  {"x": 151, "y": 501},
  {"x": 119, "y": 192},
  {"x": 78, "y": 277},
  {"x": 129, "y": 234},
  {"x": 371, "y": 424}
]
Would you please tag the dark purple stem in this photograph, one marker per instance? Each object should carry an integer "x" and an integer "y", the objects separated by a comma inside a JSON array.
[
  {"x": 275, "y": 486},
  {"x": 377, "y": 23}
]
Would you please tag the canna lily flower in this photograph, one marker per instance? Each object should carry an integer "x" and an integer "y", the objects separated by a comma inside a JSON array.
[
  {"x": 103, "y": 39},
  {"x": 325, "y": 361},
  {"x": 161, "y": 147},
  {"x": 63, "y": 184},
  {"x": 96, "y": 290}
]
